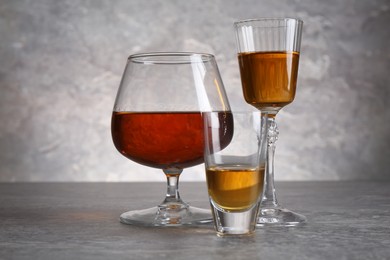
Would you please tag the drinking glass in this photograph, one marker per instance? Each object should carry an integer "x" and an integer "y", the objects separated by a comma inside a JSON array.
[
  {"x": 157, "y": 122},
  {"x": 268, "y": 55},
  {"x": 235, "y": 169}
]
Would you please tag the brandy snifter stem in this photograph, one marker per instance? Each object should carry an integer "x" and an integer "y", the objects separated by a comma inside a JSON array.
[{"x": 172, "y": 196}]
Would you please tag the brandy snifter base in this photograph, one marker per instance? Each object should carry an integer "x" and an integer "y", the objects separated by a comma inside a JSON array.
[{"x": 171, "y": 215}]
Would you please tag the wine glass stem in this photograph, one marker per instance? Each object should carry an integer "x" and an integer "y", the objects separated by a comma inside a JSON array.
[{"x": 269, "y": 196}]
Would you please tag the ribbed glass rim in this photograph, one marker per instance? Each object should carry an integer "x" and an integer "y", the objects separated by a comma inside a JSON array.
[
  {"x": 170, "y": 57},
  {"x": 266, "y": 19}
]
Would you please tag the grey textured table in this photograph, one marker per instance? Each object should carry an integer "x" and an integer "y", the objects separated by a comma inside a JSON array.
[{"x": 347, "y": 220}]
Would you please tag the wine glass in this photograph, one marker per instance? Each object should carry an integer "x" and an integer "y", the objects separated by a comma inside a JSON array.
[
  {"x": 268, "y": 55},
  {"x": 157, "y": 122}
]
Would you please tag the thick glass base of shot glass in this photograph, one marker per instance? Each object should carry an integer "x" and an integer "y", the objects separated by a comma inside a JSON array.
[
  {"x": 235, "y": 223},
  {"x": 279, "y": 217},
  {"x": 168, "y": 215}
]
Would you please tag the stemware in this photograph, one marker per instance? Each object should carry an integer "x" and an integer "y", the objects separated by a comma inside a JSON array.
[
  {"x": 268, "y": 55},
  {"x": 157, "y": 122}
]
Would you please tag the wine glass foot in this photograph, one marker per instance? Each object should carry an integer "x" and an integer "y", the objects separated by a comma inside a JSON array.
[
  {"x": 279, "y": 217},
  {"x": 168, "y": 216}
]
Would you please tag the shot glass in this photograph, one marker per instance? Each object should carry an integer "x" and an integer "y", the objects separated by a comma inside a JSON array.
[{"x": 235, "y": 163}]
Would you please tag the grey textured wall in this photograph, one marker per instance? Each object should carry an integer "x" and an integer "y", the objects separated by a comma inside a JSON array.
[{"x": 61, "y": 63}]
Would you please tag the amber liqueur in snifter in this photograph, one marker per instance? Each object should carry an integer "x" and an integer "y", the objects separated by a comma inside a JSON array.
[
  {"x": 159, "y": 139},
  {"x": 165, "y": 139}
]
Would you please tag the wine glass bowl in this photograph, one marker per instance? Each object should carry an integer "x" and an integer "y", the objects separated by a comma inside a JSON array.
[{"x": 157, "y": 122}]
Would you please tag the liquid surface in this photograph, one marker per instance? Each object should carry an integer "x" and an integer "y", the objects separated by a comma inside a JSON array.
[
  {"x": 235, "y": 188},
  {"x": 269, "y": 78}
]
